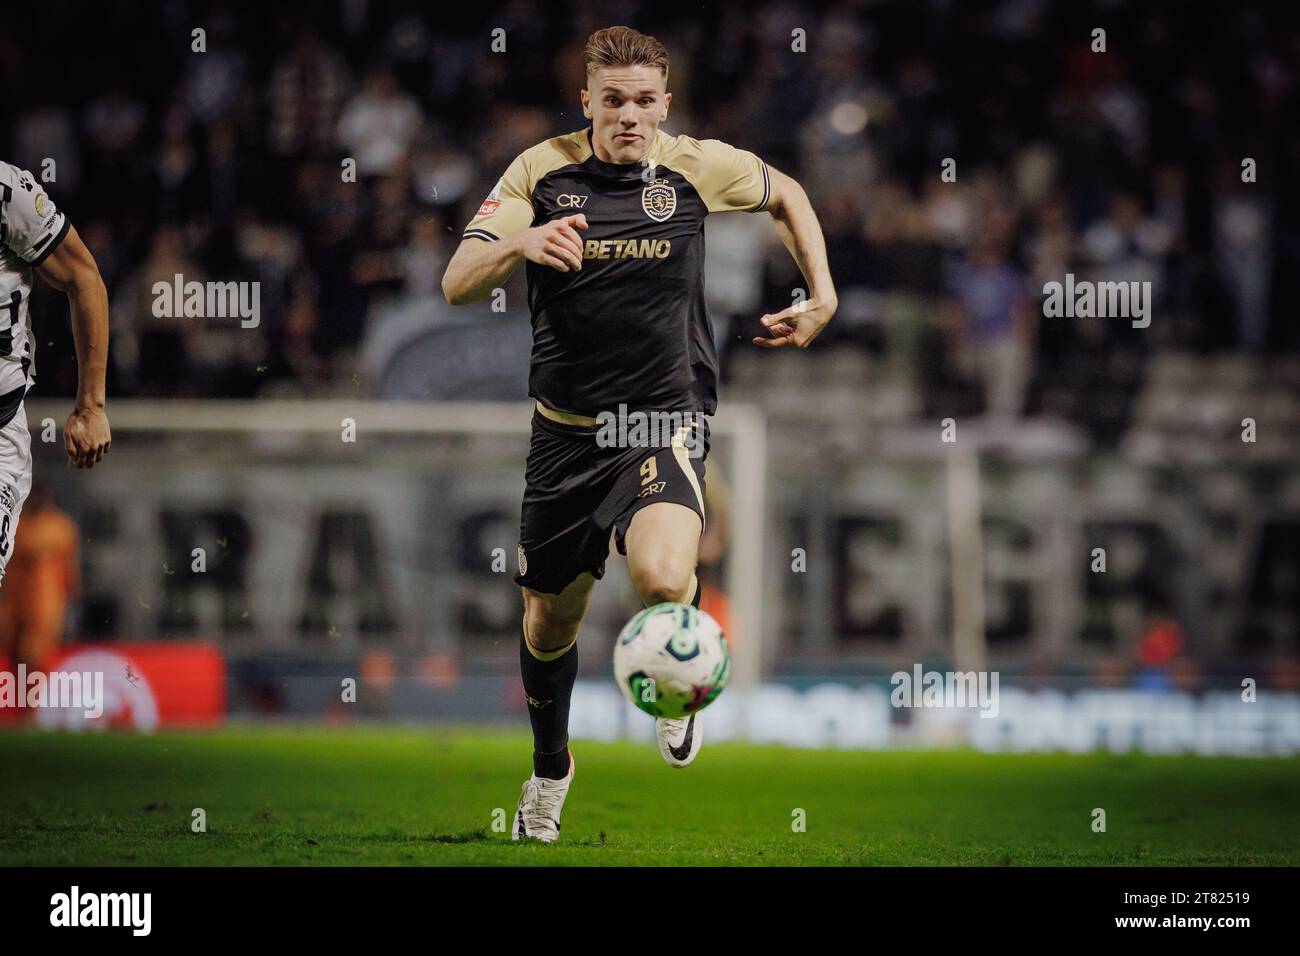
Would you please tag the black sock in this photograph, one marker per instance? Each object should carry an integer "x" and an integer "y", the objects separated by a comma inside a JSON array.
[
  {"x": 699, "y": 589},
  {"x": 551, "y": 766},
  {"x": 549, "y": 687}
]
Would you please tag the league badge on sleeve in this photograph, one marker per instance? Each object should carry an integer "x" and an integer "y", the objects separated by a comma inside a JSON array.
[{"x": 493, "y": 200}]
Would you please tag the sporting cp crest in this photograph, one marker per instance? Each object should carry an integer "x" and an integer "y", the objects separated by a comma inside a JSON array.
[{"x": 659, "y": 200}]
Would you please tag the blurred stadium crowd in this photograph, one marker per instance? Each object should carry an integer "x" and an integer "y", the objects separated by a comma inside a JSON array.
[{"x": 1125, "y": 164}]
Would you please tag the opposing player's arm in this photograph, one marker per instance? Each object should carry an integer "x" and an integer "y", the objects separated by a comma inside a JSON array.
[
  {"x": 797, "y": 225},
  {"x": 71, "y": 269},
  {"x": 501, "y": 235}
]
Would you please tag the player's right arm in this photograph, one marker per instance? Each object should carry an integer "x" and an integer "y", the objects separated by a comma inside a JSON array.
[
  {"x": 71, "y": 269},
  {"x": 501, "y": 236},
  {"x": 478, "y": 267}
]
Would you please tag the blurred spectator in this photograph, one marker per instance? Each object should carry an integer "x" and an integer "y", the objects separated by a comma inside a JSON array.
[
  {"x": 306, "y": 94},
  {"x": 44, "y": 132},
  {"x": 1243, "y": 244},
  {"x": 115, "y": 122},
  {"x": 41, "y": 578},
  {"x": 991, "y": 323},
  {"x": 150, "y": 350},
  {"x": 1160, "y": 655},
  {"x": 424, "y": 259},
  {"x": 1127, "y": 245},
  {"x": 379, "y": 124}
]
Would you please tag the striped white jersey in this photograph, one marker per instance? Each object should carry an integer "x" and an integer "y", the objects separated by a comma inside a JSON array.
[{"x": 31, "y": 227}]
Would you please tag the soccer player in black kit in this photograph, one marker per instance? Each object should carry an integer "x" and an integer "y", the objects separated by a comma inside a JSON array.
[{"x": 610, "y": 220}]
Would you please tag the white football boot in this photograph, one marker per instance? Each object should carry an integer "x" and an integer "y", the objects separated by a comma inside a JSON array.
[
  {"x": 538, "y": 814},
  {"x": 679, "y": 738}
]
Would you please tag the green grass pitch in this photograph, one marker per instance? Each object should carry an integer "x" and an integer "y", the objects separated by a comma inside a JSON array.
[{"x": 401, "y": 796}]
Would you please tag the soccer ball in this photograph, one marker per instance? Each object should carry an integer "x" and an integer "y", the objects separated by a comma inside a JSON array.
[{"x": 671, "y": 660}]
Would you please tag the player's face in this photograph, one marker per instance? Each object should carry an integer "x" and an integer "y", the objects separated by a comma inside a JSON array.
[{"x": 625, "y": 104}]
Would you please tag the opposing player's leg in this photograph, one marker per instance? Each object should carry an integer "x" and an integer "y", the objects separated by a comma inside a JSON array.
[
  {"x": 15, "y": 482},
  {"x": 548, "y": 662},
  {"x": 18, "y": 639}
]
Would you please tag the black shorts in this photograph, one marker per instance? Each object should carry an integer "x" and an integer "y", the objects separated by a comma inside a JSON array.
[{"x": 578, "y": 490}]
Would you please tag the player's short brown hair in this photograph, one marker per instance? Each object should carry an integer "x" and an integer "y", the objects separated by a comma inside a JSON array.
[{"x": 623, "y": 46}]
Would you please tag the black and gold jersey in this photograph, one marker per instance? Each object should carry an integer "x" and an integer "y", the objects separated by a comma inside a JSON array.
[{"x": 631, "y": 327}]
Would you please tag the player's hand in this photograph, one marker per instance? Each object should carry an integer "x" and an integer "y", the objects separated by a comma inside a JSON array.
[
  {"x": 86, "y": 436},
  {"x": 797, "y": 325},
  {"x": 556, "y": 243}
]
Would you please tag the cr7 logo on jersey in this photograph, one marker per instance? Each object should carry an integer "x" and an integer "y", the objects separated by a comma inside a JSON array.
[{"x": 570, "y": 201}]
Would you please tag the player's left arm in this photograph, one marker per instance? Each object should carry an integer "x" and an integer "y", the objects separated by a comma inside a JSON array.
[
  {"x": 796, "y": 223},
  {"x": 71, "y": 269}
]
